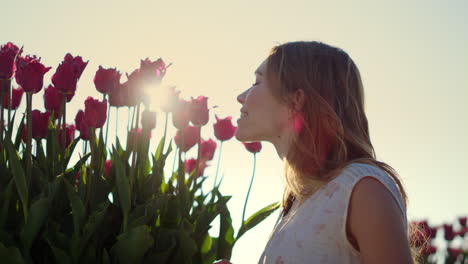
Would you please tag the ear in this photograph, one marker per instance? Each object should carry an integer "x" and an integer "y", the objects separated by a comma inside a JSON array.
[{"x": 298, "y": 99}]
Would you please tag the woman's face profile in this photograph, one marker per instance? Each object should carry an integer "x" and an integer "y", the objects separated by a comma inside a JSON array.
[{"x": 262, "y": 116}]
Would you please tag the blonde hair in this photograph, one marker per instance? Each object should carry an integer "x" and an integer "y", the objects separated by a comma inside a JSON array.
[{"x": 332, "y": 128}]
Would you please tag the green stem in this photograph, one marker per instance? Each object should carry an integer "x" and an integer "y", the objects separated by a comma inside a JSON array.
[
  {"x": 29, "y": 134},
  {"x": 64, "y": 131},
  {"x": 116, "y": 123},
  {"x": 219, "y": 161},
  {"x": 165, "y": 132},
  {"x": 195, "y": 176},
  {"x": 107, "y": 121},
  {"x": 250, "y": 187},
  {"x": 9, "y": 101}
]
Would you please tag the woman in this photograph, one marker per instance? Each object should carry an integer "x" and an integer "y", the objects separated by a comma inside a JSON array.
[{"x": 340, "y": 204}]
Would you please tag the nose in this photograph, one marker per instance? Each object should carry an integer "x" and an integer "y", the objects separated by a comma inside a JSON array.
[{"x": 241, "y": 97}]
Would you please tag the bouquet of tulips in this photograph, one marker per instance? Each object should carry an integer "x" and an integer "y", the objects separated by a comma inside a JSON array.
[{"x": 108, "y": 204}]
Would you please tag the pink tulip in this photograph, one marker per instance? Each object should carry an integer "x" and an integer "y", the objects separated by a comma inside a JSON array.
[
  {"x": 223, "y": 128},
  {"x": 190, "y": 138},
  {"x": 207, "y": 149},
  {"x": 253, "y": 147},
  {"x": 199, "y": 113},
  {"x": 180, "y": 115}
]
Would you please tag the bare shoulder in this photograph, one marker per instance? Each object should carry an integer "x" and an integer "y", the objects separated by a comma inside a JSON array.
[{"x": 375, "y": 221}]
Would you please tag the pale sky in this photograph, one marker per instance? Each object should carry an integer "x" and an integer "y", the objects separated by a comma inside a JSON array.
[{"x": 412, "y": 55}]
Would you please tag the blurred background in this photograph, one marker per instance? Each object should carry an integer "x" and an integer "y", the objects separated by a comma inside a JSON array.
[{"x": 412, "y": 55}]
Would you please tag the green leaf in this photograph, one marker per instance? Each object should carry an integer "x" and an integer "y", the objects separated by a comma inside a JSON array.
[
  {"x": 37, "y": 214},
  {"x": 78, "y": 210},
  {"x": 94, "y": 220},
  {"x": 69, "y": 151},
  {"x": 18, "y": 174},
  {"x": 19, "y": 133},
  {"x": 257, "y": 218},
  {"x": 123, "y": 188},
  {"x": 132, "y": 245},
  {"x": 206, "y": 246},
  {"x": 60, "y": 255},
  {"x": 5, "y": 203},
  {"x": 10, "y": 255}
]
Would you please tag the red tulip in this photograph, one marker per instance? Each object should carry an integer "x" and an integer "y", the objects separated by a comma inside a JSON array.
[
  {"x": 95, "y": 112},
  {"x": 53, "y": 100},
  {"x": 107, "y": 167},
  {"x": 148, "y": 119},
  {"x": 449, "y": 235},
  {"x": 8, "y": 53},
  {"x": 68, "y": 73},
  {"x": 116, "y": 97},
  {"x": 180, "y": 116},
  {"x": 190, "y": 138},
  {"x": 82, "y": 126},
  {"x": 77, "y": 178},
  {"x": 207, "y": 149},
  {"x": 429, "y": 250},
  {"x": 253, "y": 147},
  {"x": 223, "y": 128},
  {"x": 462, "y": 221},
  {"x": 69, "y": 134},
  {"x": 132, "y": 89},
  {"x": 40, "y": 124},
  {"x": 199, "y": 113},
  {"x": 106, "y": 80},
  {"x": 454, "y": 252},
  {"x": 135, "y": 134},
  {"x": 191, "y": 164},
  {"x": 152, "y": 71},
  {"x": 16, "y": 95},
  {"x": 30, "y": 73},
  {"x": 172, "y": 98}
]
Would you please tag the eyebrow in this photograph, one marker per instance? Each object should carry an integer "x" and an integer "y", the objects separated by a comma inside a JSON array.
[{"x": 258, "y": 72}]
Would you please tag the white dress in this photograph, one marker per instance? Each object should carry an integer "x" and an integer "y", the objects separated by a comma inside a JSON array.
[{"x": 316, "y": 231}]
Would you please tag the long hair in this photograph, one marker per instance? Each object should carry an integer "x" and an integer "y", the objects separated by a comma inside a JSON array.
[{"x": 332, "y": 127}]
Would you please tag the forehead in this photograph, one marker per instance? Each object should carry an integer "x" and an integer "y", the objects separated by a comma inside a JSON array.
[{"x": 261, "y": 69}]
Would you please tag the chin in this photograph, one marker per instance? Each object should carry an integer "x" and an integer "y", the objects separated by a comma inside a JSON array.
[{"x": 245, "y": 137}]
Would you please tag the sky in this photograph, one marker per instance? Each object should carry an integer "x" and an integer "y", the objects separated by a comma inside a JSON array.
[{"x": 412, "y": 56}]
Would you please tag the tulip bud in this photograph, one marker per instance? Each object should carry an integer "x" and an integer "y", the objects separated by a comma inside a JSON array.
[
  {"x": 253, "y": 147},
  {"x": 152, "y": 72},
  {"x": 207, "y": 149},
  {"x": 107, "y": 80},
  {"x": 8, "y": 53},
  {"x": 190, "y": 138},
  {"x": 191, "y": 165},
  {"x": 53, "y": 100},
  {"x": 69, "y": 135},
  {"x": 199, "y": 113},
  {"x": 30, "y": 73},
  {"x": 40, "y": 124},
  {"x": 95, "y": 112},
  {"x": 68, "y": 73},
  {"x": 180, "y": 116},
  {"x": 16, "y": 95},
  {"x": 107, "y": 167},
  {"x": 223, "y": 128}
]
